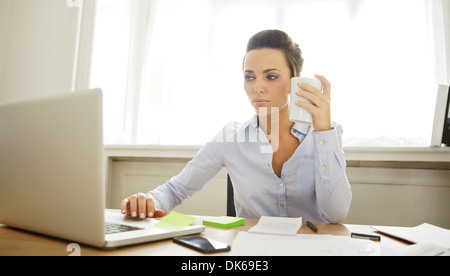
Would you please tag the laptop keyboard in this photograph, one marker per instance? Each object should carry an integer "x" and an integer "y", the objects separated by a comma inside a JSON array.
[{"x": 112, "y": 228}]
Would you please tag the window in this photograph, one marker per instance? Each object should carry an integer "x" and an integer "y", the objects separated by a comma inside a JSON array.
[{"x": 171, "y": 69}]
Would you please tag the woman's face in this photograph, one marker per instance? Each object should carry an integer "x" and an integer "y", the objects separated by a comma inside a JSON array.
[{"x": 267, "y": 79}]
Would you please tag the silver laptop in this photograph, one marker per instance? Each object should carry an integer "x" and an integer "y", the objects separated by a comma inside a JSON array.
[{"x": 52, "y": 173}]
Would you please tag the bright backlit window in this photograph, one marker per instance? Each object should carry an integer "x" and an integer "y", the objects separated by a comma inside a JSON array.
[{"x": 171, "y": 70}]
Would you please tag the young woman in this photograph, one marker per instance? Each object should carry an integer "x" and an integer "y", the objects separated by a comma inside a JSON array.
[{"x": 277, "y": 167}]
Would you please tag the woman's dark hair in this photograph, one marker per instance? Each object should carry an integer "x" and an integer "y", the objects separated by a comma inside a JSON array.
[{"x": 276, "y": 39}]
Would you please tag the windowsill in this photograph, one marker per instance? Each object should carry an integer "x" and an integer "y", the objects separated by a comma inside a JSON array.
[
  {"x": 416, "y": 154},
  {"x": 150, "y": 151},
  {"x": 419, "y": 154}
]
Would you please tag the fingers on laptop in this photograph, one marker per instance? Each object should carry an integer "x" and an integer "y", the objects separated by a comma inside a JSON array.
[{"x": 140, "y": 205}]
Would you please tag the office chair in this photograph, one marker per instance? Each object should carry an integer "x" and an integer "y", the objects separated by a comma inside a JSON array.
[{"x": 231, "y": 210}]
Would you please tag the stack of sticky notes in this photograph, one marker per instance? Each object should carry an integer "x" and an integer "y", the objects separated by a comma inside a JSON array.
[{"x": 224, "y": 221}]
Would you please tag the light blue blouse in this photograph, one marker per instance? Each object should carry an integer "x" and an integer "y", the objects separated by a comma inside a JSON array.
[{"x": 313, "y": 183}]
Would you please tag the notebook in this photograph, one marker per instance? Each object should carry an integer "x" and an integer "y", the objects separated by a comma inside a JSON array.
[{"x": 52, "y": 172}]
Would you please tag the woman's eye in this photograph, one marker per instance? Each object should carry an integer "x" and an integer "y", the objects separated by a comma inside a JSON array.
[
  {"x": 249, "y": 78},
  {"x": 272, "y": 77}
]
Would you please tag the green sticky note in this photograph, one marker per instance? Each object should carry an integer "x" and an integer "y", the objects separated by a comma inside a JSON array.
[
  {"x": 224, "y": 222},
  {"x": 175, "y": 221}
]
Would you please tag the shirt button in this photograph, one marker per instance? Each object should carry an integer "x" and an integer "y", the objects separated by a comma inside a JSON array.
[
  {"x": 322, "y": 142},
  {"x": 282, "y": 185},
  {"x": 282, "y": 205},
  {"x": 324, "y": 168},
  {"x": 294, "y": 131}
]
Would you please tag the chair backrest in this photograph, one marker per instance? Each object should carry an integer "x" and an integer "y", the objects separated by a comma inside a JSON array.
[{"x": 231, "y": 210}]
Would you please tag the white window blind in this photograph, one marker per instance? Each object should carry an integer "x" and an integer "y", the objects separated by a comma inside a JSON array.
[{"x": 171, "y": 70}]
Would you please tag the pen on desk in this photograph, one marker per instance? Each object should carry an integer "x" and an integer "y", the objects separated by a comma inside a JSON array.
[
  {"x": 312, "y": 226},
  {"x": 366, "y": 236}
]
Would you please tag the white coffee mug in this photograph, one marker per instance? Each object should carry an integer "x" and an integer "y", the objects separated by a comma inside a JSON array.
[{"x": 296, "y": 113}]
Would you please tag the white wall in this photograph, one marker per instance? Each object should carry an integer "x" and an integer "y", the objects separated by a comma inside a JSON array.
[
  {"x": 440, "y": 15},
  {"x": 38, "y": 43},
  {"x": 4, "y": 23},
  {"x": 446, "y": 38}
]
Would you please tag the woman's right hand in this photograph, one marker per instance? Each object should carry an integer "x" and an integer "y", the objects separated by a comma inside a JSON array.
[{"x": 140, "y": 206}]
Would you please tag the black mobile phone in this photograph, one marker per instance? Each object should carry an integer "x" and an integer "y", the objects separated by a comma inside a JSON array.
[{"x": 202, "y": 244}]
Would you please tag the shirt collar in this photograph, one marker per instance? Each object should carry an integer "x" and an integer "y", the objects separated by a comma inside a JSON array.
[
  {"x": 253, "y": 121},
  {"x": 302, "y": 128}
]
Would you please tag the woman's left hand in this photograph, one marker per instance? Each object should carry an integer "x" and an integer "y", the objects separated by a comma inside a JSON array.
[{"x": 320, "y": 103}]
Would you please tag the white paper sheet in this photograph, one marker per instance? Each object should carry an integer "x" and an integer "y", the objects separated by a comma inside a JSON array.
[
  {"x": 423, "y": 233},
  {"x": 423, "y": 249},
  {"x": 277, "y": 226},
  {"x": 247, "y": 244}
]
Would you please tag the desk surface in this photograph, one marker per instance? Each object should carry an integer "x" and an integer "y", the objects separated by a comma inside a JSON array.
[{"x": 14, "y": 242}]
